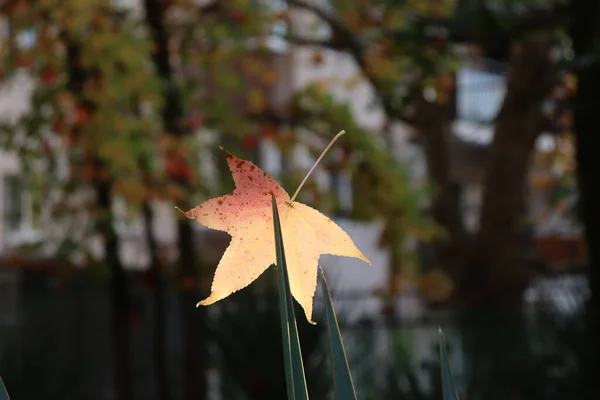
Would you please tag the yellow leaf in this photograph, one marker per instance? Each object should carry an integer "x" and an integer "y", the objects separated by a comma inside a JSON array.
[
  {"x": 570, "y": 81},
  {"x": 352, "y": 17},
  {"x": 394, "y": 18},
  {"x": 381, "y": 66},
  {"x": 435, "y": 285},
  {"x": 256, "y": 100},
  {"x": 252, "y": 66},
  {"x": 133, "y": 191},
  {"x": 246, "y": 214},
  {"x": 269, "y": 76}
]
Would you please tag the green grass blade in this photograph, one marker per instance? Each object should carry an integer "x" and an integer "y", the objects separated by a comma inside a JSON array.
[
  {"x": 448, "y": 385},
  {"x": 292, "y": 354},
  {"x": 3, "y": 393},
  {"x": 342, "y": 379}
]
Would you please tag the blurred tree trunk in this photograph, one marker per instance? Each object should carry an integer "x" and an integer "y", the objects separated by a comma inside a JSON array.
[
  {"x": 119, "y": 293},
  {"x": 194, "y": 367},
  {"x": 585, "y": 33},
  {"x": 120, "y": 300},
  {"x": 160, "y": 366},
  {"x": 490, "y": 267},
  {"x": 433, "y": 123},
  {"x": 498, "y": 274},
  {"x": 491, "y": 291}
]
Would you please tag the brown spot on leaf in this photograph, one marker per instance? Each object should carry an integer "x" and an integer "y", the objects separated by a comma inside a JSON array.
[
  {"x": 220, "y": 202},
  {"x": 252, "y": 167}
]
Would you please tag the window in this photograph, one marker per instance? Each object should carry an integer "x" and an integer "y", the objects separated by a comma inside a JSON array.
[
  {"x": 13, "y": 203},
  {"x": 17, "y": 214},
  {"x": 279, "y": 29},
  {"x": 480, "y": 92}
]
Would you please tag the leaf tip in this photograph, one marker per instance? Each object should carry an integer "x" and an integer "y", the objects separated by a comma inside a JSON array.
[
  {"x": 361, "y": 256},
  {"x": 309, "y": 318},
  {"x": 208, "y": 301},
  {"x": 227, "y": 153},
  {"x": 185, "y": 214}
]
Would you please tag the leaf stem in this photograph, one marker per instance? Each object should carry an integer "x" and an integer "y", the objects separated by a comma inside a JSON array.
[{"x": 315, "y": 164}]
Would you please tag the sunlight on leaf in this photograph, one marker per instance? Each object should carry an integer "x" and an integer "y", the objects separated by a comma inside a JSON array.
[{"x": 246, "y": 215}]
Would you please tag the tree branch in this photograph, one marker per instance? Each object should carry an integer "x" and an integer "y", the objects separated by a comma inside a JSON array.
[
  {"x": 343, "y": 39},
  {"x": 271, "y": 116},
  {"x": 336, "y": 25},
  {"x": 303, "y": 41},
  {"x": 194, "y": 368}
]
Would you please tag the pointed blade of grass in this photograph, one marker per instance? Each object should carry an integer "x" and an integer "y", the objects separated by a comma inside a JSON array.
[
  {"x": 448, "y": 385},
  {"x": 292, "y": 354},
  {"x": 3, "y": 393},
  {"x": 342, "y": 378}
]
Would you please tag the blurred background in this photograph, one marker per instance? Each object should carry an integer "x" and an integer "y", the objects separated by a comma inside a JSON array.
[{"x": 467, "y": 176}]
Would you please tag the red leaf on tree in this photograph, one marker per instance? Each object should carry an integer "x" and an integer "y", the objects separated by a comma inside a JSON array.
[
  {"x": 48, "y": 75},
  {"x": 177, "y": 167},
  {"x": 267, "y": 131},
  {"x": 237, "y": 16},
  {"x": 24, "y": 61},
  {"x": 82, "y": 115},
  {"x": 249, "y": 142}
]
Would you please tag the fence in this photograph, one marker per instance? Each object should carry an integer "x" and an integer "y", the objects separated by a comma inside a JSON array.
[{"x": 59, "y": 344}]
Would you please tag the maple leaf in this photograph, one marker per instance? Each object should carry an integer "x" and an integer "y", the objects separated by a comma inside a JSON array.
[{"x": 247, "y": 215}]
